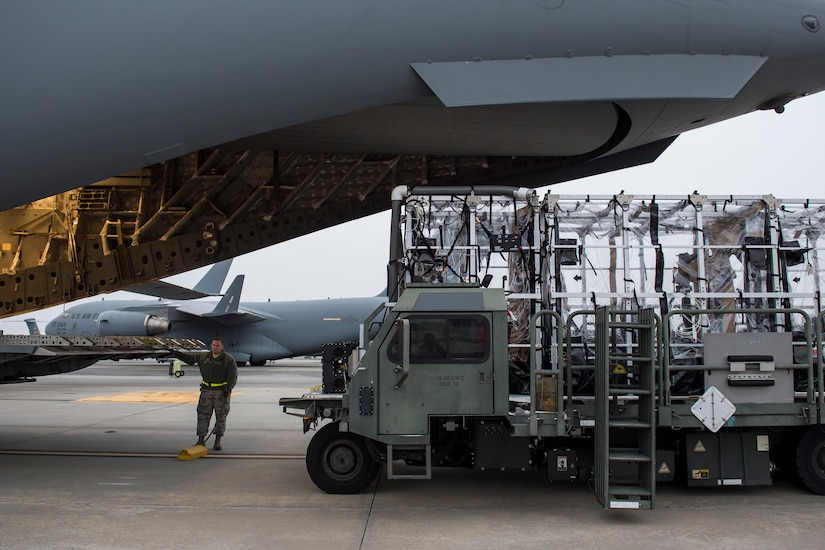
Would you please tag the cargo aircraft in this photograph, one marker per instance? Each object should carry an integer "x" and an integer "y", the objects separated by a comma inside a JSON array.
[
  {"x": 199, "y": 131},
  {"x": 253, "y": 332}
]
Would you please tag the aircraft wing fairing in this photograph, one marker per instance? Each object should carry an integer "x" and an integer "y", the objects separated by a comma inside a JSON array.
[{"x": 580, "y": 79}]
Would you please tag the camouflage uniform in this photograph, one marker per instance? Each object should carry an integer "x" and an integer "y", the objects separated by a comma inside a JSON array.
[{"x": 219, "y": 377}]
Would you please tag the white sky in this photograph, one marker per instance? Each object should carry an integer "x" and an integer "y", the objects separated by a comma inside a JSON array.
[{"x": 760, "y": 153}]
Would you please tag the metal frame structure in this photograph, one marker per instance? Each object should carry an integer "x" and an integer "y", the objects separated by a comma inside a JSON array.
[{"x": 613, "y": 316}]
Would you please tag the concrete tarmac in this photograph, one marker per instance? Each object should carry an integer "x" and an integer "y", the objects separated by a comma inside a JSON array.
[{"x": 77, "y": 473}]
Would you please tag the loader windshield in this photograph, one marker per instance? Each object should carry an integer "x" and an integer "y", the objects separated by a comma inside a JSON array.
[{"x": 448, "y": 339}]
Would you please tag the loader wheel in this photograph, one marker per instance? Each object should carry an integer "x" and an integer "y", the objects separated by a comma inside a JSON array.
[
  {"x": 178, "y": 374},
  {"x": 340, "y": 462},
  {"x": 810, "y": 460}
]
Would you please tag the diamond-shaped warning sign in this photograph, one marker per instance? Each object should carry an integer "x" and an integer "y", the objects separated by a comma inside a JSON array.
[{"x": 713, "y": 409}]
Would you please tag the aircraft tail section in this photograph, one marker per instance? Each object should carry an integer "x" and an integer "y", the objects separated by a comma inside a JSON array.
[
  {"x": 212, "y": 283},
  {"x": 209, "y": 285},
  {"x": 227, "y": 310},
  {"x": 32, "y": 325},
  {"x": 229, "y": 303}
]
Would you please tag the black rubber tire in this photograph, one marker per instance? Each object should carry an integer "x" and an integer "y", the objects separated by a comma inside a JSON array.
[
  {"x": 810, "y": 460},
  {"x": 257, "y": 362},
  {"x": 340, "y": 462}
]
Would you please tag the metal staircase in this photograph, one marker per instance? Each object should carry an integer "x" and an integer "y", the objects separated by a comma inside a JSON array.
[{"x": 625, "y": 475}]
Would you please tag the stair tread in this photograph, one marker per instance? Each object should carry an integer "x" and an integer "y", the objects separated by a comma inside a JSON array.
[
  {"x": 639, "y": 358},
  {"x": 626, "y": 390},
  {"x": 630, "y": 504},
  {"x": 637, "y": 424},
  {"x": 628, "y": 455},
  {"x": 629, "y": 490}
]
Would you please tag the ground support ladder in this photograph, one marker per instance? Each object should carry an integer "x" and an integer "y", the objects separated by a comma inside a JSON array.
[{"x": 625, "y": 421}]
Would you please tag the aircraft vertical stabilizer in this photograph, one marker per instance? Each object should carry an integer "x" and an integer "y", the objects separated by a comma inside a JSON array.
[
  {"x": 209, "y": 285},
  {"x": 32, "y": 325},
  {"x": 227, "y": 309},
  {"x": 212, "y": 282},
  {"x": 229, "y": 303}
]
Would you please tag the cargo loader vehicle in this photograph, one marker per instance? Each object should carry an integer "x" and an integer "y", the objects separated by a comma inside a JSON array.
[{"x": 616, "y": 340}]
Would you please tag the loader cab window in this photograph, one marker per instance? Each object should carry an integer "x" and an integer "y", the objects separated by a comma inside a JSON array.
[{"x": 447, "y": 339}]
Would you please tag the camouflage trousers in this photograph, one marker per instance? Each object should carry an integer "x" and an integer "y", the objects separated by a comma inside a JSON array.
[{"x": 212, "y": 399}]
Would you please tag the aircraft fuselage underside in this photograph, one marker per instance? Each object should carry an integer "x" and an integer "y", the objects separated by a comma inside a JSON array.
[{"x": 263, "y": 123}]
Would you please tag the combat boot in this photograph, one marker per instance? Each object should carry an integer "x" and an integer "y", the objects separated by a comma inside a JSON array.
[
  {"x": 200, "y": 441},
  {"x": 217, "y": 446}
]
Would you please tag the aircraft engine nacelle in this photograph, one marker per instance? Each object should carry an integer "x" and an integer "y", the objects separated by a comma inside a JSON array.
[{"x": 132, "y": 323}]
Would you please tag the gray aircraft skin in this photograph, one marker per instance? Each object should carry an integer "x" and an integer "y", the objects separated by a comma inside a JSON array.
[
  {"x": 253, "y": 332},
  {"x": 92, "y": 90}
]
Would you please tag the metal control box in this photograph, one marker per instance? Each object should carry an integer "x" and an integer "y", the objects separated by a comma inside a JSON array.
[
  {"x": 752, "y": 366},
  {"x": 728, "y": 458},
  {"x": 562, "y": 465},
  {"x": 495, "y": 451}
]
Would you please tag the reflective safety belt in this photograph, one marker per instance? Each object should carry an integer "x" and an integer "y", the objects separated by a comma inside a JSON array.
[{"x": 211, "y": 385}]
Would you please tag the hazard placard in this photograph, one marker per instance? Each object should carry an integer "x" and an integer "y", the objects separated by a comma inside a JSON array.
[{"x": 713, "y": 409}]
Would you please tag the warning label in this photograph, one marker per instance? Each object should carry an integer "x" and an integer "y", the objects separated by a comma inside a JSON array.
[
  {"x": 700, "y": 474},
  {"x": 699, "y": 447}
]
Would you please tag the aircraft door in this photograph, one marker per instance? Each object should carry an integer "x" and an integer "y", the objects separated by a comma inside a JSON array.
[{"x": 434, "y": 365}]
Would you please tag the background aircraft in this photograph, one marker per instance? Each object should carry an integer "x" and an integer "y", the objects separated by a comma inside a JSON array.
[
  {"x": 314, "y": 110},
  {"x": 253, "y": 332}
]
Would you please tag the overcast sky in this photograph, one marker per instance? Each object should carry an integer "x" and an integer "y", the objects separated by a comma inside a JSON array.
[{"x": 760, "y": 153}]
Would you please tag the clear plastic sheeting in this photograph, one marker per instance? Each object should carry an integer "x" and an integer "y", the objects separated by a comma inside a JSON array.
[
  {"x": 695, "y": 252},
  {"x": 669, "y": 253},
  {"x": 459, "y": 239}
]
